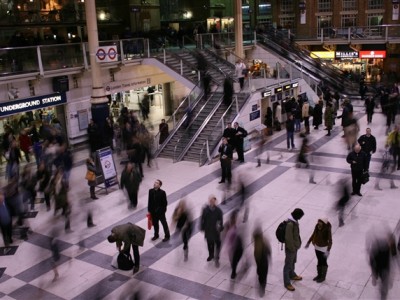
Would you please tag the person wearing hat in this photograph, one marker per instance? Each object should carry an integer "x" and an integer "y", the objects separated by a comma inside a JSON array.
[
  {"x": 292, "y": 245},
  {"x": 321, "y": 238}
]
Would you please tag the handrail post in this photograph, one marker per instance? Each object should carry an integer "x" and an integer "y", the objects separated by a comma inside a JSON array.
[
  {"x": 237, "y": 104},
  {"x": 255, "y": 37},
  {"x": 348, "y": 34},
  {"x": 39, "y": 55},
  {"x": 200, "y": 39},
  {"x": 148, "y": 47},
  {"x": 212, "y": 40},
  {"x": 208, "y": 150},
  {"x": 223, "y": 125},
  {"x": 165, "y": 56},
  {"x": 322, "y": 35},
  {"x": 85, "y": 61},
  {"x": 173, "y": 120},
  {"x": 121, "y": 46},
  {"x": 386, "y": 34},
  {"x": 181, "y": 62}
]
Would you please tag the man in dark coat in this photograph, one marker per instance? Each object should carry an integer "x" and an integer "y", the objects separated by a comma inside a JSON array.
[
  {"x": 368, "y": 144},
  {"x": 211, "y": 223},
  {"x": 129, "y": 234},
  {"x": 358, "y": 161},
  {"x": 157, "y": 206},
  {"x": 317, "y": 115},
  {"x": 229, "y": 134},
  {"x": 240, "y": 134},
  {"x": 226, "y": 154},
  {"x": 130, "y": 180}
]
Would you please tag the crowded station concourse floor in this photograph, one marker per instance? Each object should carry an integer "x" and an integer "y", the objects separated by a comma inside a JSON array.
[{"x": 272, "y": 192}]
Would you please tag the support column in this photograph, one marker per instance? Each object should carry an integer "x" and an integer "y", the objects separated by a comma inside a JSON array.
[
  {"x": 98, "y": 99},
  {"x": 238, "y": 29}
]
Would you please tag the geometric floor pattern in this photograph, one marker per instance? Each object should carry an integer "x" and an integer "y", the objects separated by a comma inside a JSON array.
[{"x": 272, "y": 192}]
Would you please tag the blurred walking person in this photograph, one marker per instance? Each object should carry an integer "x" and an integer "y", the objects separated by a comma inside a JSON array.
[
  {"x": 5, "y": 222},
  {"x": 90, "y": 166},
  {"x": 321, "y": 238},
  {"x": 262, "y": 256},
  {"x": 183, "y": 219},
  {"x": 393, "y": 144},
  {"x": 344, "y": 199},
  {"x": 130, "y": 181},
  {"x": 381, "y": 250}
]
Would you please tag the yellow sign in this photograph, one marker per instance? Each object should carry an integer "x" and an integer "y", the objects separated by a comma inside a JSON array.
[{"x": 323, "y": 54}]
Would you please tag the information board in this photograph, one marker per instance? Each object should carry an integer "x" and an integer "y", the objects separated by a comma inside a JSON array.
[{"x": 107, "y": 167}]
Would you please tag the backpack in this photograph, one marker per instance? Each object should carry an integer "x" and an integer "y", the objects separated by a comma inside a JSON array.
[
  {"x": 281, "y": 231},
  {"x": 124, "y": 261}
]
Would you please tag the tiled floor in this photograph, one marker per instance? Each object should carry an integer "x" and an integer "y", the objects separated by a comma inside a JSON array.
[{"x": 272, "y": 192}]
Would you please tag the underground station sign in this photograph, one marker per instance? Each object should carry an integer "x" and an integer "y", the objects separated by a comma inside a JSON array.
[
  {"x": 106, "y": 54},
  {"x": 28, "y": 104}
]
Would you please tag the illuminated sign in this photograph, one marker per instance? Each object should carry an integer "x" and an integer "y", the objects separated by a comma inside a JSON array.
[
  {"x": 287, "y": 87},
  {"x": 278, "y": 90},
  {"x": 28, "y": 104},
  {"x": 296, "y": 84},
  {"x": 346, "y": 54},
  {"x": 323, "y": 54},
  {"x": 266, "y": 94},
  {"x": 373, "y": 54}
]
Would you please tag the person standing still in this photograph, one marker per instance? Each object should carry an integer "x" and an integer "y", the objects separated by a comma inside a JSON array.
[
  {"x": 368, "y": 144},
  {"x": 226, "y": 153},
  {"x": 211, "y": 223},
  {"x": 157, "y": 207},
  {"x": 240, "y": 68},
  {"x": 358, "y": 162},
  {"x": 292, "y": 245},
  {"x": 290, "y": 132},
  {"x": 321, "y": 238},
  {"x": 240, "y": 134}
]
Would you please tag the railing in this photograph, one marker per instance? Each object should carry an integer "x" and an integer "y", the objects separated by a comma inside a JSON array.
[
  {"x": 187, "y": 138},
  {"x": 216, "y": 133},
  {"x": 178, "y": 116}
]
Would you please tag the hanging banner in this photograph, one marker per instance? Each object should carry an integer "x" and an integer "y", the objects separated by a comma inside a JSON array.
[{"x": 395, "y": 12}]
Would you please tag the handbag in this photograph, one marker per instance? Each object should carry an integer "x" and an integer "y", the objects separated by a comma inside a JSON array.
[
  {"x": 149, "y": 221},
  {"x": 365, "y": 177},
  {"x": 125, "y": 261},
  {"x": 90, "y": 175}
]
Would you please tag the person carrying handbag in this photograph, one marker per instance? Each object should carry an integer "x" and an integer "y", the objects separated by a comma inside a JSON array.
[{"x": 91, "y": 177}]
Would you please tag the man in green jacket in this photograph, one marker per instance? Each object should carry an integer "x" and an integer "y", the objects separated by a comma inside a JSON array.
[
  {"x": 292, "y": 244},
  {"x": 128, "y": 234}
]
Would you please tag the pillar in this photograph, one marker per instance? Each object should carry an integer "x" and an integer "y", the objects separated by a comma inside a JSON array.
[
  {"x": 238, "y": 28},
  {"x": 98, "y": 99}
]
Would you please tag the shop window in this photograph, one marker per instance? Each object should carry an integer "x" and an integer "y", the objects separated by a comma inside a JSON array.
[
  {"x": 375, "y": 4},
  {"x": 324, "y": 23},
  {"x": 286, "y": 22},
  {"x": 374, "y": 19},
  {"x": 349, "y": 21},
  {"x": 287, "y": 6},
  {"x": 349, "y": 5},
  {"x": 265, "y": 9},
  {"x": 324, "y": 5}
]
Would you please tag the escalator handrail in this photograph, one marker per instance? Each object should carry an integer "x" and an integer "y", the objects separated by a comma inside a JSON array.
[
  {"x": 177, "y": 126},
  {"x": 186, "y": 148}
]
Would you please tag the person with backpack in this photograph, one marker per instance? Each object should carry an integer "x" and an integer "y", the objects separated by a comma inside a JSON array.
[
  {"x": 128, "y": 234},
  {"x": 292, "y": 245},
  {"x": 321, "y": 238}
]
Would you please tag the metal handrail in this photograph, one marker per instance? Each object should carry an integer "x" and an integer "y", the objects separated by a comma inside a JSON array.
[
  {"x": 215, "y": 129},
  {"x": 176, "y": 159},
  {"x": 176, "y": 125}
]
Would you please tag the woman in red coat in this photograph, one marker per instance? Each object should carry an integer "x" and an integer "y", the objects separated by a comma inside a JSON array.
[{"x": 25, "y": 143}]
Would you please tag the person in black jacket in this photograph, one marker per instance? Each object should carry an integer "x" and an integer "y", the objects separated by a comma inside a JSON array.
[
  {"x": 317, "y": 115},
  {"x": 226, "y": 154},
  {"x": 290, "y": 132},
  {"x": 130, "y": 180},
  {"x": 229, "y": 134},
  {"x": 157, "y": 206},
  {"x": 358, "y": 162},
  {"x": 368, "y": 144},
  {"x": 240, "y": 134},
  {"x": 211, "y": 223}
]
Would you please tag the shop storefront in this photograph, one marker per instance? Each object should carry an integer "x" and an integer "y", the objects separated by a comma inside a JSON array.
[
  {"x": 23, "y": 113},
  {"x": 373, "y": 60}
]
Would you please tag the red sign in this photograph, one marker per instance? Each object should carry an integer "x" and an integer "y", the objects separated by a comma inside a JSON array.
[{"x": 373, "y": 54}]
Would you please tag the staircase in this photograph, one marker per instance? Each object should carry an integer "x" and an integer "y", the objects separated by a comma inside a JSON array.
[{"x": 211, "y": 128}]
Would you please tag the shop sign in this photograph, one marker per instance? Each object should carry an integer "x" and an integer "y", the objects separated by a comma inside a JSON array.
[
  {"x": 323, "y": 54},
  {"x": 287, "y": 87},
  {"x": 346, "y": 54},
  {"x": 106, "y": 54},
  {"x": 266, "y": 93},
  {"x": 278, "y": 90},
  {"x": 373, "y": 54},
  {"x": 295, "y": 84},
  {"x": 28, "y": 104},
  {"x": 115, "y": 87}
]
